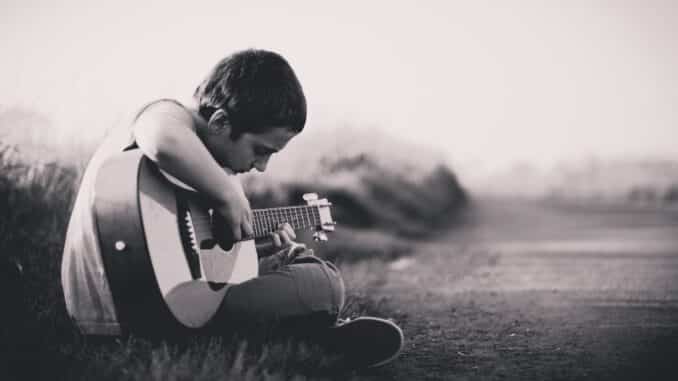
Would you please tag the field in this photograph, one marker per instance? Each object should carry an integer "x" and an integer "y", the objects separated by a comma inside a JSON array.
[{"x": 512, "y": 289}]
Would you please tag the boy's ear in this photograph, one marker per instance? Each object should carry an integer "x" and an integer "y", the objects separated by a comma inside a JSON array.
[{"x": 218, "y": 123}]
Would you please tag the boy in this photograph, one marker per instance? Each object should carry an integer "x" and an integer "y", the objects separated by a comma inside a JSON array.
[{"x": 248, "y": 108}]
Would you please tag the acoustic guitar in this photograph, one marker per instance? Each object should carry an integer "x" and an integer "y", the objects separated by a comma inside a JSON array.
[{"x": 165, "y": 266}]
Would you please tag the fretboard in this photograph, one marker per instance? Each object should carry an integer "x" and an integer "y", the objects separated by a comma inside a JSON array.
[{"x": 299, "y": 217}]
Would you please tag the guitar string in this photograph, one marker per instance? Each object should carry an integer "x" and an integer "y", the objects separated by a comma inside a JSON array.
[
  {"x": 270, "y": 218},
  {"x": 299, "y": 212},
  {"x": 201, "y": 222},
  {"x": 299, "y": 219}
]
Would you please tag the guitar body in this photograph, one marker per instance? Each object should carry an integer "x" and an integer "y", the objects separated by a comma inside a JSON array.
[{"x": 163, "y": 267}]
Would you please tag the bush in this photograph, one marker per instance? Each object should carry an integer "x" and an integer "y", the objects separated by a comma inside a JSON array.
[{"x": 367, "y": 194}]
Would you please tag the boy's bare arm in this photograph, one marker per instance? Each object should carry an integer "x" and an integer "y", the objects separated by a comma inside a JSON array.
[{"x": 164, "y": 134}]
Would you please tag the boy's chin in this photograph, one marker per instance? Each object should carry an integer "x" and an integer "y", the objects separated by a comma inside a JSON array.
[
  {"x": 229, "y": 170},
  {"x": 242, "y": 171}
]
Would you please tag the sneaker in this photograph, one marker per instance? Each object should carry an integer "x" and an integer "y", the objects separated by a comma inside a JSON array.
[{"x": 364, "y": 342}]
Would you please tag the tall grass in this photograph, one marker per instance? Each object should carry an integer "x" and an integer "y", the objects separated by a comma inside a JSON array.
[{"x": 34, "y": 204}]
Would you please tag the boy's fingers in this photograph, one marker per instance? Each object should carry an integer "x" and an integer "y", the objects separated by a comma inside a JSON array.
[
  {"x": 286, "y": 240},
  {"x": 237, "y": 234},
  {"x": 296, "y": 250},
  {"x": 276, "y": 239},
  {"x": 288, "y": 228},
  {"x": 247, "y": 229}
]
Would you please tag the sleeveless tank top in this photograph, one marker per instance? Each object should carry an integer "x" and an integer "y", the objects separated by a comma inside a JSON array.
[{"x": 86, "y": 290}]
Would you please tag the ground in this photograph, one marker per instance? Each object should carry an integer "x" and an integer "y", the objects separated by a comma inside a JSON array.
[
  {"x": 539, "y": 290},
  {"x": 515, "y": 289}
]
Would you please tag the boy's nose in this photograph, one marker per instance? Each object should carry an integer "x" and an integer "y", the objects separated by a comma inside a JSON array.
[{"x": 260, "y": 165}]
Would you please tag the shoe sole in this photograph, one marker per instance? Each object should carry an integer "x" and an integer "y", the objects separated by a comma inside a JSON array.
[{"x": 363, "y": 327}]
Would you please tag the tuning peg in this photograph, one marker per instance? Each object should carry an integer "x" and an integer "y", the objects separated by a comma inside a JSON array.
[
  {"x": 310, "y": 197},
  {"x": 329, "y": 226},
  {"x": 320, "y": 236}
]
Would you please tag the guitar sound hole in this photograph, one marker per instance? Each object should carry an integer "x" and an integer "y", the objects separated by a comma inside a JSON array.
[{"x": 222, "y": 232}]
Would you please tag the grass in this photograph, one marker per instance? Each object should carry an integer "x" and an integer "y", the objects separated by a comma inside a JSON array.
[{"x": 38, "y": 341}]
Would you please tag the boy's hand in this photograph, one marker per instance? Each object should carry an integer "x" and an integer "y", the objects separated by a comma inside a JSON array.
[
  {"x": 284, "y": 236},
  {"x": 281, "y": 258},
  {"x": 237, "y": 218},
  {"x": 279, "y": 239}
]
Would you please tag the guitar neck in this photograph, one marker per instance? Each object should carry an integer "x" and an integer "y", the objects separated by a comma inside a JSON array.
[{"x": 299, "y": 217}]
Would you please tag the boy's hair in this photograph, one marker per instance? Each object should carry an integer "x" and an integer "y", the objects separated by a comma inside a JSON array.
[{"x": 257, "y": 90}]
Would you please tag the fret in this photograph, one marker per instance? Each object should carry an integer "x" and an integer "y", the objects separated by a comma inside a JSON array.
[
  {"x": 290, "y": 218},
  {"x": 271, "y": 221},
  {"x": 259, "y": 225},
  {"x": 266, "y": 219},
  {"x": 277, "y": 217},
  {"x": 260, "y": 222},
  {"x": 293, "y": 216},
  {"x": 254, "y": 224},
  {"x": 311, "y": 217},
  {"x": 264, "y": 222},
  {"x": 300, "y": 216},
  {"x": 316, "y": 215}
]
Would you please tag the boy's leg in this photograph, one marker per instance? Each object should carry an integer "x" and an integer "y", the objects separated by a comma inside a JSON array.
[
  {"x": 309, "y": 290},
  {"x": 304, "y": 299}
]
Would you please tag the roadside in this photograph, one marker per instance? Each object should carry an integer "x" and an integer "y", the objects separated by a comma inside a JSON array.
[{"x": 528, "y": 290}]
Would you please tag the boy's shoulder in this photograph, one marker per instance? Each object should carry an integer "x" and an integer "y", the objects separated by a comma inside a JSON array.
[
  {"x": 121, "y": 137},
  {"x": 164, "y": 110}
]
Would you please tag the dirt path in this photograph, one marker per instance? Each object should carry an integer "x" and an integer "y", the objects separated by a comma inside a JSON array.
[{"x": 528, "y": 290}]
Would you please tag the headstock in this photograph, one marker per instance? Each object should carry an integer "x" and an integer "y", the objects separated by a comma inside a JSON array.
[{"x": 326, "y": 222}]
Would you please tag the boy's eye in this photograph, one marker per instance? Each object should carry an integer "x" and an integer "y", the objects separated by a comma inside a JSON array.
[{"x": 263, "y": 151}]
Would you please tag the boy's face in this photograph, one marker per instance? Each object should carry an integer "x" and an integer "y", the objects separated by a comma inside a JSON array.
[{"x": 250, "y": 150}]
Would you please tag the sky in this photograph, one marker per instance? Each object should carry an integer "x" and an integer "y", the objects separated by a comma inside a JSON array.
[{"x": 491, "y": 83}]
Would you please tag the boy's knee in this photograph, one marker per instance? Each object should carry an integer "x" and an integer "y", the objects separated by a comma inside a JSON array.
[{"x": 320, "y": 287}]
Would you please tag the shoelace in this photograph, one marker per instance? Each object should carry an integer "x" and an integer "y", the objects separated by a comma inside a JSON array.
[{"x": 343, "y": 321}]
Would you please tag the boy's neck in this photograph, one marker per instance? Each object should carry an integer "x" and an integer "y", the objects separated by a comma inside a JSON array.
[{"x": 200, "y": 123}]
